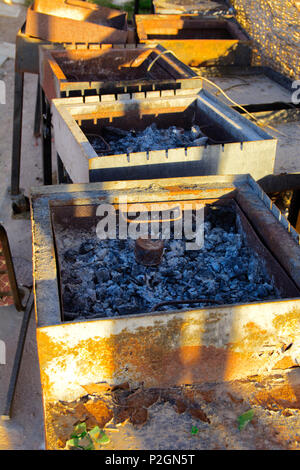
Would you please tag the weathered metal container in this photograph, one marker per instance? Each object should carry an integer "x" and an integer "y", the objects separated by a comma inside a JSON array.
[
  {"x": 197, "y": 41},
  {"x": 27, "y": 60},
  {"x": 106, "y": 68},
  {"x": 234, "y": 143},
  {"x": 74, "y": 21},
  {"x": 161, "y": 349}
]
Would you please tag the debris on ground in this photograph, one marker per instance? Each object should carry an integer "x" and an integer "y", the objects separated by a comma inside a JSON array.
[{"x": 230, "y": 415}]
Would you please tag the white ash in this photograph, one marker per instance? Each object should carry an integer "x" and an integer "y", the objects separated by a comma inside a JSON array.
[
  {"x": 151, "y": 138},
  {"x": 101, "y": 278}
]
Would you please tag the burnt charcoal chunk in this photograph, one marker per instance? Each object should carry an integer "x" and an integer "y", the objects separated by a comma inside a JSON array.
[
  {"x": 168, "y": 272},
  {"x": 73, "y": 278},
  {"x": 117, "y": 277},
  {"x": 114, "y": 292},
  {"x": 69, "y": 316},
  {"x": 70, "y": 255},
  {"x": 137, "y": 269},
  {"x": 102, "y": 275},
  {"x": 192, "y": 254},
  {"x": 86, "y": 247},
  {"x": 74, "y": 303},
  {"x": 127, "y": 309},
  {"x": 223, "y": 217},
  {"x": 98, "y": 308},
  {"x": 68, "y": 301}
]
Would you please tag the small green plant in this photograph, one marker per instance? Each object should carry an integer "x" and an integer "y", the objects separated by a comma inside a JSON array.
[
  {"x": 144, "y": 6},
  {"x": 194, "y": 430},
  {"x": 244, "y": 419},
  {"x": 87, "y": 440}
]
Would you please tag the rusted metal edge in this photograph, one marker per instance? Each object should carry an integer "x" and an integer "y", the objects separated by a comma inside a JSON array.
[{"x": 56, "y": 84}]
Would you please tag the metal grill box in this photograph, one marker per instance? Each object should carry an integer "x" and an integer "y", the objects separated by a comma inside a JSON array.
[
  {"x": 234, "y": 143},
  {"x": 105, "y": 68},
  {"x": 197, "y": 41},
  {"x": 75, "y": 20},
  {"x": 194, "y": 345}
]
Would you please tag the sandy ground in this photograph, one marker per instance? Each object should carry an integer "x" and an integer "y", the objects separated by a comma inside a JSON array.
[{"x": 25, "y": 430}]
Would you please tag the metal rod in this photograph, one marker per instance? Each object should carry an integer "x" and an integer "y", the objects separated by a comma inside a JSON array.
[
  {"x": 17, "y": 133},
  {"x": 180, "y": 302},
  {"x": 6, "y": 415},
  {"x": 46, "y": 138}
]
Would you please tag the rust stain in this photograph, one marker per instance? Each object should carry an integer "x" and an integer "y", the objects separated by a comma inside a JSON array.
[
  {"x": 196, "y": 52},
  {"x": 288, "y": 322},
  {"x": 177, "y": 190},
  {"x": 154, "y": 355},
  {"x": 47, "y": 348},
  {"x": 286, "y": 396},
  {"x": 99, "y": 411},
  {"x": 255, "y": 339},
  {"x": 160, "y": 355},
  {"x": 285, "y": 363}
]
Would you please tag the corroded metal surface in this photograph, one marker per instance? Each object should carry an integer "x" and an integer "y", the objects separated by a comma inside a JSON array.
[
  {"x": 103, "y": 69},
  {"x": 196, "y": 41},
  {"x": 204, "y": 345},
  {"x": 208, "y": 345},
  {"x": 57, "y": 21}
]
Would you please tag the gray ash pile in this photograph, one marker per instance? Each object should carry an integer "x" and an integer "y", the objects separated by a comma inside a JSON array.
[
  {"x": 101, "y": 278},
  {"x": 120, "y": 141}
]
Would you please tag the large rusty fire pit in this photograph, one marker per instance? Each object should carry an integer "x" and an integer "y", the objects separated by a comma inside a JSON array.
[{"x": 185, "y": 343}]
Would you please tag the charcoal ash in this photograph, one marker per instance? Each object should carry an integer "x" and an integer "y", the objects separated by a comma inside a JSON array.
[
  {"x": 151, "y": 138},
  {"x": 101, "y": 278}
]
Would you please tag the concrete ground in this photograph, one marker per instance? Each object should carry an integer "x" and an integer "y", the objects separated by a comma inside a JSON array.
[{"x": 25, "y": 429}]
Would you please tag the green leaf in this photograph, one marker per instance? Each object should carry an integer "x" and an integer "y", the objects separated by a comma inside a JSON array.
[
  {"x": 79, "y": 430},
  {"x": 194, "y": 430},
  {"x": 245, "y": 418},
  {"x": 72, "y": 442},
  {"x": 104, "y": 439},
  {"x": 99, "y": 436},
  {"x": 95, "y": 432}
]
